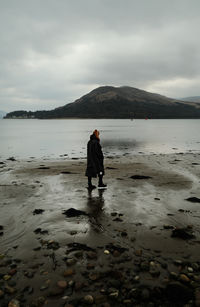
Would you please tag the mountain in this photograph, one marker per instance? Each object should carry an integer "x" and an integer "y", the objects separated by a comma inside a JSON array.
[
  {"x": 192, "y": 99},
  {"x": 118, "y": 102},
  {"x": 2, "y": 114}
]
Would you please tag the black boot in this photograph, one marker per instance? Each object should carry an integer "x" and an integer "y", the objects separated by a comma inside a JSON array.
[
  {"x": 101, "y": 185},
  {"x": 90, "y": 185}
]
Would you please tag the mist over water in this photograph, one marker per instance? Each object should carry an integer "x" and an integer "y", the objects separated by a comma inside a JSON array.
[{"x": 23, "y": 138}]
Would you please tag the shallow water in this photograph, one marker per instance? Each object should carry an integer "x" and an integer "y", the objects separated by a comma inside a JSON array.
[{"x": 23, "y": 138}]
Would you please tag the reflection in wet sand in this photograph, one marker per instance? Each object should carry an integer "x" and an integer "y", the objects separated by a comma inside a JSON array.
[{"x": 95, "y": 206}]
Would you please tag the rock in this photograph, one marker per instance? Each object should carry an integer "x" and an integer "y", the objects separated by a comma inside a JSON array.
[
  {"x": 14, "y": 303},
  {"x": 106, "y": 252},
  {"x": 138, "y": 252},
  {"x": 71, "y": 261},
  {"x": 140, "y": 177},
  {"x": 184, "y": 278},
  {"x": 74, "y": 212},
  {"x": 12, "y": 272},
  {"x": 69, "y": 272},
  {"x": 88, "y": 299},
  {"x": 124, "y": 234},
  {"x": 182, "y": 233},
  {"x": 154, "y": 272},
  {"x": 114, "y": 294},
  {"x": 190, "y": 270},
  {"x": 118, "y": 219},
  {"x": 62, "y": 284},
  {"x": 53, "y": 245},
  {"x": 92, "y": 255},
  {"x": 11, "y": 159},
  {"x": 168, "y": 226},
  {"x": 193, "y": 199},
  {"x": 90, "y": 266},
  {"x": 1, "y": 233},
  {"x": 6, "y": 277},
  {"x": 1, "y": 227},
  {"x": 10, "y": 290},
  {"x": 38, "y": 211},
  {"x": 40, "y": 231},
  {"x": 1, "y": 293},
  {"x": 178, "y": 293}
]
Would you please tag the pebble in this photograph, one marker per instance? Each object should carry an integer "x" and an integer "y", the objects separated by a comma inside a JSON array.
[
  {"x": 62, "y": 284},
  {"x": 71, "y": 261},
  {"x": 92, "y": 255},
  {"x": 14, "y": 303},
  {"x": 138, "y": 252},
  {"x": 106, "y": 252},
  {"x": 114, "y": 294},
  {"x": 88, "y": 299},
  {"x": 184, "y": 278},
  {"x": 7, "y": 277},
  {"x": 190, "y": 270},
  {"x": 69, "y": 272}
]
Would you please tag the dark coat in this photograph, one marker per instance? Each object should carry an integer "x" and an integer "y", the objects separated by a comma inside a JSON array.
[{"x": 94, "y": 158}]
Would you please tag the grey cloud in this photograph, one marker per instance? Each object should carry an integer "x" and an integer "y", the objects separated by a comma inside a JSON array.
[{"x": 52, "y": 52}]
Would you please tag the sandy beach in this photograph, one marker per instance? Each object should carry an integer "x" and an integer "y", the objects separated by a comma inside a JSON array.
[{"x": 137, "y": 243}]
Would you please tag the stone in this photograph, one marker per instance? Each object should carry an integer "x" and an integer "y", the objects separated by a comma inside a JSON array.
[
  {"x": 182, "y": 233},
  {"x": 38, "y": 211},
  {"x": 92, "y": 255},
  {"x": 74, "y": 212},
  {"x": 71, "y": 261},
  {"x": 138, "y": 252},
  {"x": 14, "y": 303},
  {"x": 10, "y": 290},
  {"x": 1, "y": 293},
  {"x": 114, "y": 294},
  {"x": 69, "y": 272},
  {"x": 193, "y": 199},
  {"x": 88, "y": 299},
  {"x": 7, "y": 277},
  {"x": 106, "y": 252},
  {"x": 62, "y": 284},
  {"x": 184, "y": 278}
]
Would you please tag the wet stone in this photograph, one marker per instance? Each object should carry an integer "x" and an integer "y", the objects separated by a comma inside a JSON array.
[
  {"x": 14, "y": 303},
  {"x": 92, "y": 255},
  {"x": 193, "y": 199},
  {"x": 62, "y": 284},
  {"x": 184, "y": 278},
  {"x": 69, "y": 272},
  {"x": 88, "y": 299},
  {"x": 38, "y": 211},
  {"x": 74, "y": 212},
  {"x": 182, "y": 233}
]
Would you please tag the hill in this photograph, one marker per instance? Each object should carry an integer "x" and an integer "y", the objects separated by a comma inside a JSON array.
[{"x": 118, "y": 102}]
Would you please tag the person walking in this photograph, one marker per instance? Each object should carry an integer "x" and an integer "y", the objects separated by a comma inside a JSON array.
[{"x": 95, "y": 160}]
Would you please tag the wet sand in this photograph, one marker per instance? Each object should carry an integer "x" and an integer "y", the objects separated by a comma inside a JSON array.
[{"x": 120, "y": 252}]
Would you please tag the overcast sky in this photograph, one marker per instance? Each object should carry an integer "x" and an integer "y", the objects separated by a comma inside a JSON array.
[{"x": 54, "y": 51}]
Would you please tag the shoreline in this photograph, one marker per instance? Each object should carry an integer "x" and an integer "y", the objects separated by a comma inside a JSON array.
[{"x": 124, "y": 238}]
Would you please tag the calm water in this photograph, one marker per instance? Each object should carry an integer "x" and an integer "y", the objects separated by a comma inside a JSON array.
[{"x": 23, "y": 138}]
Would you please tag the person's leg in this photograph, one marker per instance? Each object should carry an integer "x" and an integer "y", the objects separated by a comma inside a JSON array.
[
  {"x": 89, "y": 181},
  {"x": 101, "y": 184},
  {"x": 90, "y": 185}
]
